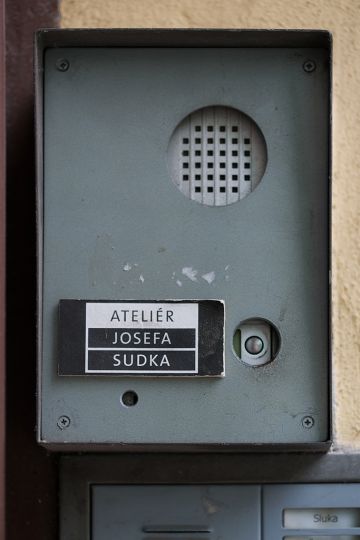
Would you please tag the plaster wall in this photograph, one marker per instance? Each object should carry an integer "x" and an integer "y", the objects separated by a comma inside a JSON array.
[{"x": 342, "y": 18}]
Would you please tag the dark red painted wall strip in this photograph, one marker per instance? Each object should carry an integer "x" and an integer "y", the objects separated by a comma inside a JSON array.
[
  {"x": 31, "y": 490},
  {"x": 2, "y": 270}
]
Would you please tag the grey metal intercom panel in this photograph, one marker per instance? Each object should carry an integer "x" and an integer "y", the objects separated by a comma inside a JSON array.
[
  {"x": 171, "y": 512},
  {"x": 131, "y": 212}
]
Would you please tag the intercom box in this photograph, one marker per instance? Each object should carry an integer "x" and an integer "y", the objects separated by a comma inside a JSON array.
[{"x": 183, "y": 225}]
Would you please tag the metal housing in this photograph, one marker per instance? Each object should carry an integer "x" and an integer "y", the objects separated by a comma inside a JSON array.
[{"x": 105, "y": 198}]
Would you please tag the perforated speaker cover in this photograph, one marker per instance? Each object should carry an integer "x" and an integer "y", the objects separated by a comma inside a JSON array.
[{"x": 217, "y": 156}]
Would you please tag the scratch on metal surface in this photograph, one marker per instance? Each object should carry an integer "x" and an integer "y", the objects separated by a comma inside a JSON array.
[
  {"x": 209, "y": 277},
  {"x": 190, "y": 273},
  {"x": 211, "y": 507}
]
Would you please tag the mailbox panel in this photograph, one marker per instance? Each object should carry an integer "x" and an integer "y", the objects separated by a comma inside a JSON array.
[
  {"x": 152, "y": 496},
  {"x": 186, "y": 512},
  {"x": 312, "y": 512}
]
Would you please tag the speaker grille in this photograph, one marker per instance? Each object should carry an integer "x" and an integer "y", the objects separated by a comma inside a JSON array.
[{"x": 217, "y": 156}]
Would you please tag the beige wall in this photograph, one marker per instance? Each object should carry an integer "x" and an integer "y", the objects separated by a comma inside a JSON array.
[{"x": 342, "y": 18}]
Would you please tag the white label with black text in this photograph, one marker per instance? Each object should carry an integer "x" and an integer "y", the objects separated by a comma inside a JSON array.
[{"x": 129, "y": 337}]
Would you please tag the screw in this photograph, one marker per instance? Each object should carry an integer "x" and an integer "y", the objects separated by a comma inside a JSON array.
[
  {"x": 254, "y": 345},
  {"x": 307, "y": 422},
  {"x": 63, "y": 422},
  {"x": 62, "y": 64},
  {"x": 309, "y": 66}
]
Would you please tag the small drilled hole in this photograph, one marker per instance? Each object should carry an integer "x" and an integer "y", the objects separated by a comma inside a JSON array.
[
  {"x": 210, "y": 128},
  {"x": 198, "y": 165},
  {"x": 222, "y": 190},
  {"x": 222, "y": 141},
  {"x": 197, "y": 141},
  {"x": 247, "y": 153},
  {"x": 185, "y": 165},
  {"x": 210, "y": 165},
  {"x": 222, "y": 177},
  {"x": 234, "y": 177},
  {"x": 246, "y": 165},
  {"x": 197, "y": 176},
  {"x": 234, "y": 153},
  {"x": 234, "y": 128},
  {"x": 197, "y": 128},
  {"x": 129, "y": 398},
  {"x": 210, "y": 189},
  {"x": 197, "y": 152},
  {"x": 222, "y": 128},
  {"x": 234, "y": 141},
  {"x": 235, "y": 165},
  {"x": 234, "y": 189},
  {"x": 246, "y": 141},
  {"x": 247, "y": 177},
  {"x": 210, "y": 153},
  {"x": 185, "y": 140},
  {"x": 185, "y": 152},
  {"x": 197, "y": 189},
  {"x": 222, "y": 153},
  {"x": 210, "y": 141},
  {"x": 185, "y": 177},
  {"x": 222, "y": 165},
  {"x": 210, "y": 177}
]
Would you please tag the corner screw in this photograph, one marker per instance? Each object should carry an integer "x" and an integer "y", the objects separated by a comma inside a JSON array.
[
  {"x": 62, "y": 64},
  {"x": 307, "y": 422},
  {"x": 309, "y": 66},
  {"x": 63, "y": 422}
]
